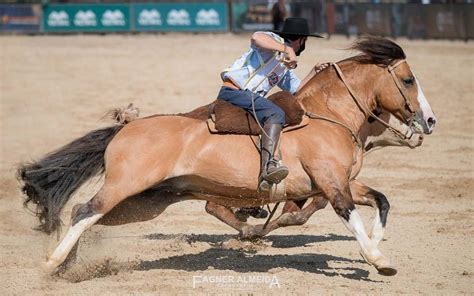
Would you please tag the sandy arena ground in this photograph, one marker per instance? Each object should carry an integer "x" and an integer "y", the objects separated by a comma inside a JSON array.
[{"x": 56, "y": 88}]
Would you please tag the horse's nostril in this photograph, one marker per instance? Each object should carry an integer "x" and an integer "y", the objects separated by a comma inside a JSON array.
[{"x": 431, "y": 122}]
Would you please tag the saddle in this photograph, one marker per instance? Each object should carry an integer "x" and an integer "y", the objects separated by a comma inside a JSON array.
[{"x": 225, "y": 118}]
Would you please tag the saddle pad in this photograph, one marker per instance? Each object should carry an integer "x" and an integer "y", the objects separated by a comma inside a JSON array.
[{"x": 229, "y": 119}]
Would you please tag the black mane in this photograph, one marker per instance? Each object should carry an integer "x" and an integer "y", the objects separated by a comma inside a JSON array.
[{"x": 377, "y": 50}]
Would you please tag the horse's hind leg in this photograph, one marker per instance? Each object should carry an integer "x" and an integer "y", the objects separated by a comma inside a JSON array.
[
  {"x": 364, "y": 195},
  {"x": 83, "y": 217},
  {"x": 86, "y": 215}
]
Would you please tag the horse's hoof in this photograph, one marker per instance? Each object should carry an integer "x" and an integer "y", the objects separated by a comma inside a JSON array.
[
  {"x": 248, "y": 232},
  {"x": 386, "y": 270},
  {"x": 50, "y": 267},
  {"x": 382, "y": 264}
]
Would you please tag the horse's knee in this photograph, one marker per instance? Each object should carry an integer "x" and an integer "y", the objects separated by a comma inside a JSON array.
[{"x": 343, "y": 207}]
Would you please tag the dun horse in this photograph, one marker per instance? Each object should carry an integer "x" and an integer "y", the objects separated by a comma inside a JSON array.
[
  {"x": 179, "y": 154},
  {"x": 373, "y": 136}
]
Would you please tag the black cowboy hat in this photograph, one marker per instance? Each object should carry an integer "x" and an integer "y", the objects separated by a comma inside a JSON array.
[{"x": 296, "y": 26}]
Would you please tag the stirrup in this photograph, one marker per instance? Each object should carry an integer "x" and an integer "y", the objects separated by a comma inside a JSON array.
[{"x": 264, "y": 185}]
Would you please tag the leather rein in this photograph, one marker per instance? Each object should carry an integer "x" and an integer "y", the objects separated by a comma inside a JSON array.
[{"x": 391, "y": 70}]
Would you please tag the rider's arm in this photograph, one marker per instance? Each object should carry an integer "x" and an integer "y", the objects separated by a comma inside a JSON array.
[{"x": 266, "y": 42}]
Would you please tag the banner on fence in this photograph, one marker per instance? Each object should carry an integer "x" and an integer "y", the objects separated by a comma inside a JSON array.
[
  {"x": 180, "y": 17},
  {"x": 20, "y": 18},
  {"x": 86, "y": 18}
]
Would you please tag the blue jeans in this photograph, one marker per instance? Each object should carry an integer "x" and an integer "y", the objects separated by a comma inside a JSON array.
[{"x": 267, "y": 112}]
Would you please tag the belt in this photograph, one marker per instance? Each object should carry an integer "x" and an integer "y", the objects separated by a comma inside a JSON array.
[{"x": 229, "y": 83}]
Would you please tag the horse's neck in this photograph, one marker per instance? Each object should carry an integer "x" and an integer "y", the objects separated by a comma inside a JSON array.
[{"x": 325, "y": 94}]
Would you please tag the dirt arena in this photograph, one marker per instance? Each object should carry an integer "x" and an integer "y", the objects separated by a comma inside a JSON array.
[{"x": 56, "y": 88}]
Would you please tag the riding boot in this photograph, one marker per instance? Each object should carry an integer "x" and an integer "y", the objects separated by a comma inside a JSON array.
[{"x": 271, "y": 172}]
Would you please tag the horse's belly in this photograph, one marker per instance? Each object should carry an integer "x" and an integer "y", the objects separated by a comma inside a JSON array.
[{"x": 212, "y": 190}]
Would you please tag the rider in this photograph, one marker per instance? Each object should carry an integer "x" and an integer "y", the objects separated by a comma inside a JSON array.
[{"x": 253, "y": 75}]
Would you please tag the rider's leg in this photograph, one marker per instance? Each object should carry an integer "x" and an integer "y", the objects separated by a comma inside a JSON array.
[{"x": 272, "y": 118}]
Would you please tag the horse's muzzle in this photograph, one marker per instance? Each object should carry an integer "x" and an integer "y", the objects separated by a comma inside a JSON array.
[{"x": 423, "y": 124}]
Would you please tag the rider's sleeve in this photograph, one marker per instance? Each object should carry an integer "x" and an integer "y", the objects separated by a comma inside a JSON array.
[
  {"x": 271, "y": 34},
  {"x": 290, "y": 82}
]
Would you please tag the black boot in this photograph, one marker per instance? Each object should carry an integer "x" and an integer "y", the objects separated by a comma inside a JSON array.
[{"x": 271, "y": 172}]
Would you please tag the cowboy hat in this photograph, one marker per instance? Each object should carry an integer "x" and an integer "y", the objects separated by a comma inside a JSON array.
[{"x": 296, "y": 26}]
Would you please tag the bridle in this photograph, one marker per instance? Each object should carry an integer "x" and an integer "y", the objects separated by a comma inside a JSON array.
[{"x": 391, "y": 70}]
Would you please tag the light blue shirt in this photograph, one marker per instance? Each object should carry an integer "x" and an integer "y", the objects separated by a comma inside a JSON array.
[{"x": 259, "y": 70}]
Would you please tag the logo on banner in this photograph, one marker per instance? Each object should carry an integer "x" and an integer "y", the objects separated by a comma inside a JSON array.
[
  {"x": 113, "y": 18},
  {"x": 149, "y": 18},
  {"x": 85, "y": 19},
  {"x": 207, "y": 18},
  {"x": 58, "y": 19},
  {"x": 178, "y": 18}
]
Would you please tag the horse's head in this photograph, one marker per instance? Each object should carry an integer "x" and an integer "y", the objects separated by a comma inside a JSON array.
[
  {"x": 398, "y": 90},
  {"x": 402, "y": 96},
  {"x": 377, "y": 135}
]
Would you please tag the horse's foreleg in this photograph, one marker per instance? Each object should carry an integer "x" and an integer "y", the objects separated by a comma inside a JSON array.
[
  {"x": 224, "y": 214},
  {"x": 364, "y": 195},
  {"x": 293, "y": 215},
  {"x": 293, "y": 205},
  {"x": 301, "y": 217},
  {"x": 334, "y": 184}
]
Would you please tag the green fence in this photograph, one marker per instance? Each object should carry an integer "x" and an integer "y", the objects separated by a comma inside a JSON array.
[
  {"x": 180, "y": 17},
  {"x": 194, "y": 17},
  {"x": 86, "y": 18}
]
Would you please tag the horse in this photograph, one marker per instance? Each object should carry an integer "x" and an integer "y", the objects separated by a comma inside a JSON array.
[
  {"x": 178, "y": 154},
  {"x": 373, "y": 136}
]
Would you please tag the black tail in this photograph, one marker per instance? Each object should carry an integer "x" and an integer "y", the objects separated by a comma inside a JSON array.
[{"x": 50, "y": 182}]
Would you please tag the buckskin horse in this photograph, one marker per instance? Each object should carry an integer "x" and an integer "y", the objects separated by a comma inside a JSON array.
[
  {"x": 178, "y": 154},
  {"x": 373, "y": 136}
]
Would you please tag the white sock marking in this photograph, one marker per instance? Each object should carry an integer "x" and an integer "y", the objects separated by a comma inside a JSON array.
[
  {"x": 70, "y": 239},
  {"x": 356, "y": 226}
]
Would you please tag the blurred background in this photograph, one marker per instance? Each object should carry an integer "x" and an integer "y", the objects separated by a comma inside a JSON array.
[{"x": 413, "y": 19}]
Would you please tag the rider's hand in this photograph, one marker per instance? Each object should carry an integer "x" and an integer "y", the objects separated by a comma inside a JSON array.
[{"x": 290, "y": 58}]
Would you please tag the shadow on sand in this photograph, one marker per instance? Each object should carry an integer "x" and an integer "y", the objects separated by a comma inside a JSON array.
[
  {"x": 240, "y": 261},
  {"x": 277, "y": 241}
]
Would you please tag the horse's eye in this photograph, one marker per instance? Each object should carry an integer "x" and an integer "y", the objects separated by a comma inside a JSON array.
[{"x": 409, "y": 81}]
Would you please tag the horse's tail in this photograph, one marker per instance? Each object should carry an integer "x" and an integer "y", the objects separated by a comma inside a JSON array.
[{"x": 51, "y": 181}]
